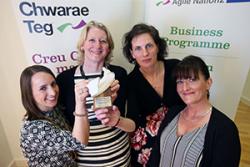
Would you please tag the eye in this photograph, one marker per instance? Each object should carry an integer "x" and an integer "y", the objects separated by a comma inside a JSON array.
[
  {"x": 92, "y": 40},
  {"x": 149, "y": 45},
  {"x": 43, "y": 88},
  {"x": 137, "y": 48},
  {"x": 179, "y": 81},
  {"x": 103, "y": 41},
  {"x": 192, "y": 79},
  {"x": 54, "y": 84}
]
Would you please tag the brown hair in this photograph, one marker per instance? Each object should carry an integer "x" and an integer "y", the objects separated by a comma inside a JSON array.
[
  {"x": 190, "y": 67},
  {"x": 139, "y": 29},
  {"x": 29, "y": 103},
  {"x": 83, "y": 37}
]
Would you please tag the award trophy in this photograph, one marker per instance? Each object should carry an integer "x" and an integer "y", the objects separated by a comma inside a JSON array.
[{"x": 100, "y": 90}]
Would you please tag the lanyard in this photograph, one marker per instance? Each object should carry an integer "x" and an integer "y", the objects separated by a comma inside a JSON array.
[{"x": 83, "y": 76}]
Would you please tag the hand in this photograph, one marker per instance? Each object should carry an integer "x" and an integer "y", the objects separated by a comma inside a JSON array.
[
  {"x": 115, "y": 86},
  {"x": 81, "y": 92},
  {"x": 108, "y": 117}
]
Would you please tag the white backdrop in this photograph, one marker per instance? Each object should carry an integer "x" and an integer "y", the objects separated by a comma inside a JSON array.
[
  {"x": 46, "y": 44},
  {"x": 217, "y": 31}
]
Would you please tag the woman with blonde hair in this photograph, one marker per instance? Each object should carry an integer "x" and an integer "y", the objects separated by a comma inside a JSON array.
[{"x": 108, "y": 142}]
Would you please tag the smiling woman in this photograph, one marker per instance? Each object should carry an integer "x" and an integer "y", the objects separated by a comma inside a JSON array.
[
  {"x": 197, "y": 134},
  {"x": 46, "y": 138},
  {"x": 95, "y": 48}
]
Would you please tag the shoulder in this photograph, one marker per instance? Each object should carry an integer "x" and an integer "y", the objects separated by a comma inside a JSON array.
[
  {"x": 117, "y": 69},
  {"x": 66, "y": 76},
  {"x": 68, "y": 72},
  {"x": 171, "y": 114},
  {"x": 171, "y": 63},
  {"x": 134, "y": 73},
  {"x": 173, "y": 111},
  {"x": 220, "y": 121},
  {"x": 34, "y": 125}
]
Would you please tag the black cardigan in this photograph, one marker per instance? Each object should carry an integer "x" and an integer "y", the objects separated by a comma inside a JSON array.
[{"x": 222, "y": 143}]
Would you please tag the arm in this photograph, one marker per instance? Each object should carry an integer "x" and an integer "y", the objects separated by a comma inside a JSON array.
[
  {"x": 47, "y": 137},
  {"x": 112, "y": 117},
  {"x": 226, "y": 150},
  {"x": 81, "y": 124}
]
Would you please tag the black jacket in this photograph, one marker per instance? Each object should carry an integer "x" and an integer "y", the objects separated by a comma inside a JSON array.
[{"x": 222, "y": 143}]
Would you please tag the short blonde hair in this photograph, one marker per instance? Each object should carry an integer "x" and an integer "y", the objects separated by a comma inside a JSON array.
[{"x": 83, "y": 37}]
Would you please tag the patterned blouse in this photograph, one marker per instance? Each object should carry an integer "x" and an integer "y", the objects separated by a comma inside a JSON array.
[
  {"x": 181, "y": 151},
  {"x": 49, "y": 144}
]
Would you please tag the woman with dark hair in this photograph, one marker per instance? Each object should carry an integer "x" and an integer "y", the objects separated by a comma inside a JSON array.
[
  {"x": 150, "y": 88},
  {"x": 198, "y": 134},
  {"x": 46, "y": 139}
]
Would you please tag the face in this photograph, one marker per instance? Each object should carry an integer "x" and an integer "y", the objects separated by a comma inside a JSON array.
[
  {"x": 95, "y": 46},
  {"x": 193, "y": 91},
  {"x": 45, "y": 91},
  {"x": 144, "y": 50}
]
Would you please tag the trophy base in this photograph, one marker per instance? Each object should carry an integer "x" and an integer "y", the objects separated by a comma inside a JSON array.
[{"x": 102, "y": 102}]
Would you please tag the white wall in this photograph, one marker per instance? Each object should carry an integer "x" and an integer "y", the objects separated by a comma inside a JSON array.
[
  {"x": 246, "y": 91},
  {"x": 12, "y": 62}
]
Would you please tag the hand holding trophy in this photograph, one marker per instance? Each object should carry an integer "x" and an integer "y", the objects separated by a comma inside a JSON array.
[{"x": 100, "y": 90}]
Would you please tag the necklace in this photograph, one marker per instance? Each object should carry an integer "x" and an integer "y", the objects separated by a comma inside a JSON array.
[{"x": 198, "y": 116}]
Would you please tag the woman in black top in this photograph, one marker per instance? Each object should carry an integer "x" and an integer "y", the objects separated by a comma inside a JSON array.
[{"x": 150, "y": 88}]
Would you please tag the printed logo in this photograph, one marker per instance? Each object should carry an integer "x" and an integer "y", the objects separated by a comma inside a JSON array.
[
  {"x": 32, "y": 13},
  {"x": 164, "y": 2},
  {"x": 189, "y": 2},
  {"x": 62, "y": 27}
]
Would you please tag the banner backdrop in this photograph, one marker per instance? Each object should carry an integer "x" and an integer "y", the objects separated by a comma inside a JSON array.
[
  {"x": 217, "y": 31},
  {"x": 50, "y": 29}
]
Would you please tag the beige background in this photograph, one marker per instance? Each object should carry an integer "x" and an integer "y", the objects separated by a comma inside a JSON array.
[{"x": 12, "y": 62}]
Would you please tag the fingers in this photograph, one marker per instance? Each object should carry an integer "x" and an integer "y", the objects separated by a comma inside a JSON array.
[
  {"x": 81, "y": 92},
  {"x": 103, "y": 115},
  {"x": 115, "y": 86}
]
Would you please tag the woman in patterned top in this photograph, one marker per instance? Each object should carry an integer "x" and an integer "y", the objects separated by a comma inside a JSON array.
[
  {"x": 197, "y": 135},
  {"x": 108, "y": 141},
  {"x": 46, "y": 139}
]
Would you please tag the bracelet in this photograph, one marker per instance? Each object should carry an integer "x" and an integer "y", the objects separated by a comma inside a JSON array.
[
  {"x": 117, "y": 122},
  {"x": 79, "y": 115}
]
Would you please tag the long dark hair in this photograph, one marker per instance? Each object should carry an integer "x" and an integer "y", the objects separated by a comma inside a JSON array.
[{"x": 29, "y": 103}]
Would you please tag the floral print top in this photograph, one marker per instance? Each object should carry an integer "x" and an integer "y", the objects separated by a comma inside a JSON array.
[
  {"x": 147, "y": 108},
  {"x": 48, "y": 144},
  {"x": 142, "y": 135}
]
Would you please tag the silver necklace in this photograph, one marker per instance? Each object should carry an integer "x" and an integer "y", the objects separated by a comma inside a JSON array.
[{"x": 198, "y": 116}]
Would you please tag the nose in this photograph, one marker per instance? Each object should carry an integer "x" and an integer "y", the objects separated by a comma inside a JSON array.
[
  {"x": 185, "y": 85},
  {"x": 144, "y": 52},
  {"x": 52, "y": 91},
  {"x": 98, "y": 44}
]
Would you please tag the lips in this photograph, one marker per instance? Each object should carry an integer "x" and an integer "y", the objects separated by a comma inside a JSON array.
[
  {"x": 146, "y": 60},
  {"x": 187, "y": 93}
]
